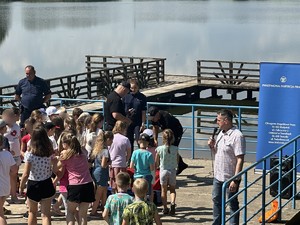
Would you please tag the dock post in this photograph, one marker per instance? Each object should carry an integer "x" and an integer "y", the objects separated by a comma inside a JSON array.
[
  {"x": 89, "y": 82},
  {"x": 199, "y": 72},
  {"x": 1, "y": 101},
  {"x": 163, "y": 70}
]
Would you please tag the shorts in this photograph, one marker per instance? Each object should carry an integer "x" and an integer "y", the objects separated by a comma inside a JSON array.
[
  {"x": 101, "y": 176},
  {"x": 167, "y": 177},
  {"x": 81, "y": 193},
  {"x": 39, "y": 190},
  {"x": 18, "y": 160},
  {"x": 113, "y": 172}
]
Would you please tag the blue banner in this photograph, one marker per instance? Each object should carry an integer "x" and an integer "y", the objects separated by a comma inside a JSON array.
[{"x": 279, "y": 107}]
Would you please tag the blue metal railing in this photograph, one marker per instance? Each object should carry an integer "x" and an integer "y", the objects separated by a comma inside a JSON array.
[
  {"x": 190, "y": 123},
  {"x": 262, "y": 198},
  {"x": 192, "y": 140}
]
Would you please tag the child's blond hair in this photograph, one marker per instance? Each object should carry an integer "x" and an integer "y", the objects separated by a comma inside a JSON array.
[
  {"x": 100, "y": 143},
  {"x": 140, "y": 187},
  {"x": 120, "y": 127}
]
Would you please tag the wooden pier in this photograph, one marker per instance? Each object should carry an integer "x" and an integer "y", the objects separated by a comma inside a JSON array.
[{"x": 103, "y": 73}]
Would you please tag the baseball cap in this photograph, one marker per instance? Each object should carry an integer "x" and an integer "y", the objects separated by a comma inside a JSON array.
[
  {"x": 144, "y": 137},
  {"x": 149, "y": 132},
  {"x": 126, "y": 84},
  {"x": 153, "y": 110},
  {"x": 51, "y": 110},
  {"x": 2, "y": 123}
]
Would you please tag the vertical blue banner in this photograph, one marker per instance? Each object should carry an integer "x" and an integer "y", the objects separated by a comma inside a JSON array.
[{"x": 279, "y": 107}]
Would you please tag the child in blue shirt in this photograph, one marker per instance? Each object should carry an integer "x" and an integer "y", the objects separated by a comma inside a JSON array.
[
  {"x": 142, "y": 161},
  {"x": 115, "y": 204}
]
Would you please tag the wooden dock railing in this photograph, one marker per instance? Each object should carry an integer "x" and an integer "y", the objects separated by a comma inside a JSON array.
[
  {"x": 100, "y": 80},
  {"x": 228, "y": 74},
  {"x": 146, "y": 70}
]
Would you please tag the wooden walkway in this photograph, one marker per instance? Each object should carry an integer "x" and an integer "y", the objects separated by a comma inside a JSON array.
[{"x": 173, "y": 84}]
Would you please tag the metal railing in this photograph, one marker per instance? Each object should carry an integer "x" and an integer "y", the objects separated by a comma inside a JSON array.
[
  {"x": 262, "y": 198},
  {"x": 197, "y": 120},
  {"x": 200, "y": 123}
]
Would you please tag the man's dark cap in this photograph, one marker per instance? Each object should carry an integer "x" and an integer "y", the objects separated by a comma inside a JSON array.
[
  {"x": 153, "y": 110},
  {"x": 144, "y": 137},
  {"x": 126, "y": 84}
]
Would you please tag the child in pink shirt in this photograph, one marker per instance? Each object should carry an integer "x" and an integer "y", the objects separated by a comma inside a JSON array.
[{"x": 80, "y": 188}]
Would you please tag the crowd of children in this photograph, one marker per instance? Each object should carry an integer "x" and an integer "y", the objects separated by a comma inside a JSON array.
[{"x": 74, "y": 156}]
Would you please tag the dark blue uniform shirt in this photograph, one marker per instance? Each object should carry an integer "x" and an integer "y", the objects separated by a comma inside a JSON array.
[
  {"x": 32, "y": 92},
  {"x": 138, "y": 102}
]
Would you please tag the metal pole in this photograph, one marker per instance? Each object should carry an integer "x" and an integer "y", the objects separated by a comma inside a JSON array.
[
  {"x": 263, "y": 197},
  {"x": 245, "y": 197},
  {"x": 193, "y": 132}
]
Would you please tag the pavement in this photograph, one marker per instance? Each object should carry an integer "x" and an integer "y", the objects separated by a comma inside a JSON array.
[{"x": 194, "y": 204}]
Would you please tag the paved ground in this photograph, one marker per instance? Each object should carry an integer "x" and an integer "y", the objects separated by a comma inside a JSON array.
[{"x": 194, "y": 205}]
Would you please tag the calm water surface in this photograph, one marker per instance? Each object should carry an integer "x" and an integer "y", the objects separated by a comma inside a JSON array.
[{"x": 55, "y": 36}]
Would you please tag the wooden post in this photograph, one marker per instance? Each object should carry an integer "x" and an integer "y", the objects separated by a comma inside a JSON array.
[
  {"x": 88, "y": 77},
  {"x": 163, "y": 69},
  {"x": 104, "y": 62},
  {"x": 231, "y": 73},
  {"x": 157, "y": 72},
  {"x": 1, "y": 101},
  {"x": 199, "y": 72},
  {"x": 88, "y": 63}
]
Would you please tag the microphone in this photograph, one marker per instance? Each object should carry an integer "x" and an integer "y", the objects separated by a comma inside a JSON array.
[{"x": 214, "y": 133}]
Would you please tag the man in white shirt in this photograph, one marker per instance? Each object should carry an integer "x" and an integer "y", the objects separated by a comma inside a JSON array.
[{"x": 229, "y": 150}]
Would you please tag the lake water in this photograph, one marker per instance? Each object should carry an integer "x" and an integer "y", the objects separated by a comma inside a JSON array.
[{"x": 55, "y": 36}]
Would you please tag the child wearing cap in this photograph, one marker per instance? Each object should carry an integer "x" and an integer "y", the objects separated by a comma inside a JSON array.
[
  {"x": 143, "y": 163},
  {"x": 140, "y": 212}
]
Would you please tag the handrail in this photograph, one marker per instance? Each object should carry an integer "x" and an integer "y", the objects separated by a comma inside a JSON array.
[
  {"x": 198, "y": 126},
  {"x": 265, "y": 200}
]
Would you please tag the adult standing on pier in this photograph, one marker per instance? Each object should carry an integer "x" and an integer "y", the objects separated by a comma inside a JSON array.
[
  {"x": 135, "y": 108},
  {"x": 32, "y": 92},
  {"x": 114, "y": 108},
  {"x": 164, "y": 120},
  {"x": 229, "y": 149}
]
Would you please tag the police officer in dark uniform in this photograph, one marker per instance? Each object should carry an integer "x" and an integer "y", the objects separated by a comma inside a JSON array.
[
  {"x": 32, "y": 92},
  {"x": 164, "y": 120},
  {"x": 114, "y": 108},
  {"x": 135, "y": 104}
]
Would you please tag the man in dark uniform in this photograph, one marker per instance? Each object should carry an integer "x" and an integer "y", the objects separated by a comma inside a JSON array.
[
  {"x": 113, "y": 108},
  {"x": 135, "y": 104},
  {"x": 32, "y": 92},
  {"x": 164, "y": 120}
]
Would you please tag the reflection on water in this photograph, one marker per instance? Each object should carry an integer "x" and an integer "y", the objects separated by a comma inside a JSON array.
[
  {"x": 4, "y": 20},
  {"x": 51, "y": 16},
  {"x": 55, "y": 36}
]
